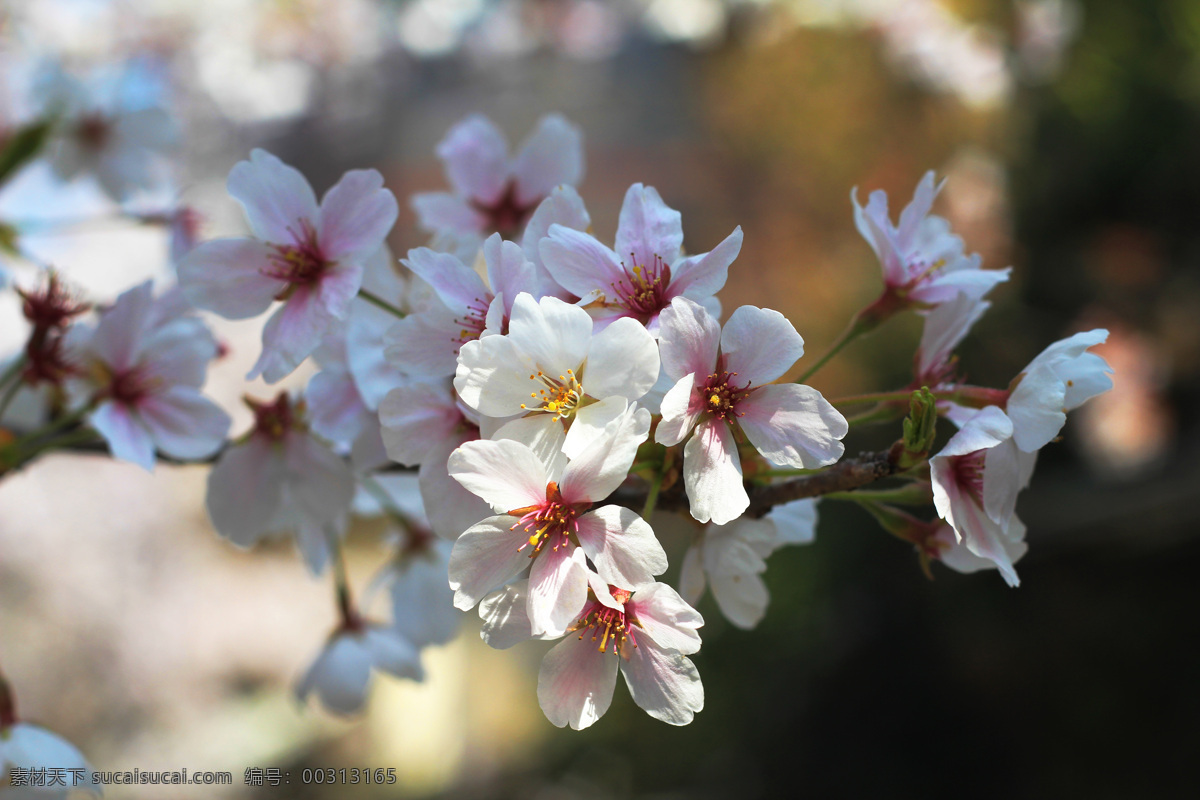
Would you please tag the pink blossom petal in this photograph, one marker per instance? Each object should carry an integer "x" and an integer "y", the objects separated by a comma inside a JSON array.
[
  {"x": 442, "y": 211},
  {"x": 226, "y": 276},
  {"x": 118, "y": 336},
  {"x": 321, "y": 485},
  {"x": 916, "y": 211},
  {"x": 622, "y": 360},
  {"x": 339, "y": 675},
  {"x": 712, "y": 474},
  {"x": 689, "y": 338},
  {"x": 245, "y": 488},
  {"x": 484, "y": 557},
  {"x": 604, "y": 464},
  {"x": 557, "y": 588},
  {"x": 576, "y": 683},
  {"x": 666, "y": 618},
  {"x": 450, "y": 507},
  {"x": 184, "y": 423},
  {"x": 679, "y": 413},
  {"x": 759, "y": 345},
  {"x": 622, "y": 545},
  {"x": 691, "y": 575},
  {"x": 476, "y": 157},
  {"x": 276, "y": 197},
  {"x": 505, "y": 616},
  {"x": 579, "y": 262},
  {"x": 647, "y": 229},
  {"x": 665, "y": 684},
  {"x": 701, "y": 276},
  {"x": 415, "y": 418},
  {"x": 506, "y": 474},
  {"x": 356, "y": 215},
  {"x": 563, "y": 207},
  {"x": 743, "y": 598},
  {"x": 458, "y": 286},
  {"x": 127, "y": 438},
  {"x": 552, "y": 155},
  {"x": 554, "y": 334},
  {"x": 793, "y": 425},
  {"x": 424, "y": 345}
]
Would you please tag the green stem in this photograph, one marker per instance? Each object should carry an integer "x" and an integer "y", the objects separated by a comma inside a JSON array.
[
  {"x": 14, "y": 369},
  {"x": 379, "y": 302},
  {"x": 656, "y": 484},
  {"x": 912, "y": 494},
  {"x": 855, "y": 329},
  {"x": 883, "y": 413},
  {"x": 341, "y": 583},
  {"x": 9, "y": 394}
]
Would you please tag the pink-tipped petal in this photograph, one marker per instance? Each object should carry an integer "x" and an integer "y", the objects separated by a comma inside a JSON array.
[
  {"x": 793, "y": 425},
  {"x": 356, "y": 216},
  {"x": 759, "y": 344},
  {"x": 623, "y": 547},
  {"x": 276, "y": 197},
  {"x": 576, "y": 683},
  {"x": 552, "y": 155},
  {"x": 712, "y": 474}
]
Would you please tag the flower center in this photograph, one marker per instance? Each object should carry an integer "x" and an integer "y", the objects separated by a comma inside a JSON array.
[
  {"x": 92, "y": 132},
  {"x": 553, "y": 521},
  {"x": 505, "y": 215},
  {"x": 968, "y": 473},
  {"x": 275, "y": 419},
  {"x": 473, "y": 321},
  {"x": 300, "y": 263},
  {"x": 608, "y": 624},
  {"x": 919, "y": 268},
  {"x": 559, "y": 397},
  {"x": 719, "y": 395},
  {"x": 644, "y": 289}
]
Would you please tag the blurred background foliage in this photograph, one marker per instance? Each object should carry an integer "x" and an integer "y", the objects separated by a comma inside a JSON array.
[{"x": 1069, "y": 132}]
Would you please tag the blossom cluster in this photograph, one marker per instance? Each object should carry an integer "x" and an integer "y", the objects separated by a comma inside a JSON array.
[{"x": 557, "y": 397}]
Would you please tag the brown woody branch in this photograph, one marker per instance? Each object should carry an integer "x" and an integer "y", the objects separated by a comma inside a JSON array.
[{"x": 846, "y": 475}]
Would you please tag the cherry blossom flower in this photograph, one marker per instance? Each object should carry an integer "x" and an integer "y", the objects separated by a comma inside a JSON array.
[
  {"x": 427, "y": 344},
  {"x": 491, "y": 192},
  {"x": 28, "y": 747},
  {"x": 731, "y": 559},
  {"x": 976, "y": 479},
  {"x": 422, "y": 424},
  {"x": 956, "y": 555},
  {"x": 718, "y": 393},
  {"x": 337, "y": 411},
  {"x": 308, "y": 256},
  {"x": 341, "y": 673},
  {"x": 564, "y": 380},
  {"x": 648, "y": 633},
  {"x": 278, "y": 479},
  {"x": 144, "y": 363},
  {"x": 945, "y": 328},
  {"x": 544, "y": 516},
  {"x": 647, "y": 269},
  {"x": 923, "y": 261},
  {"x": 101, "y": 133},
  {"x": 367, "y": 324},
  {"x": 422, "y": 602},
  {"x": 1061, "y": 378}
]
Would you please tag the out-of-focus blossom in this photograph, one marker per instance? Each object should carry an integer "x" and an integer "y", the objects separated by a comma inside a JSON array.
[
  {"x": 308, "y": 256},
  {"x": 547, "y": 513},
  {"x": 923, "y": 261},
  {"x": 976, "y": 479},
  {"x": 647, "y": 268},
  {"x": 549, "y": 369},
  {"x": 97, "y": 132},
  {"x": 730, "y": 559},
  {"x": 1061, "y": 378},
  {"x": 719, "y": 390},
  {"x": 49, "y": 310},
  {"x": 492, "y": 192},
  {"x": 422, "y": 601},
  {"x": 648, "y": 633},
  {"x": 144, "y": 364},
  {"x": 341, "y": 673},
  {"x": 279, "y": 479},
  {"x": 422, "y": 424}
]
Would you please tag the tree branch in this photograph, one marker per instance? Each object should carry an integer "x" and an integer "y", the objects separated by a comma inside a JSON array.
[{"x": 844, "y": 476}]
